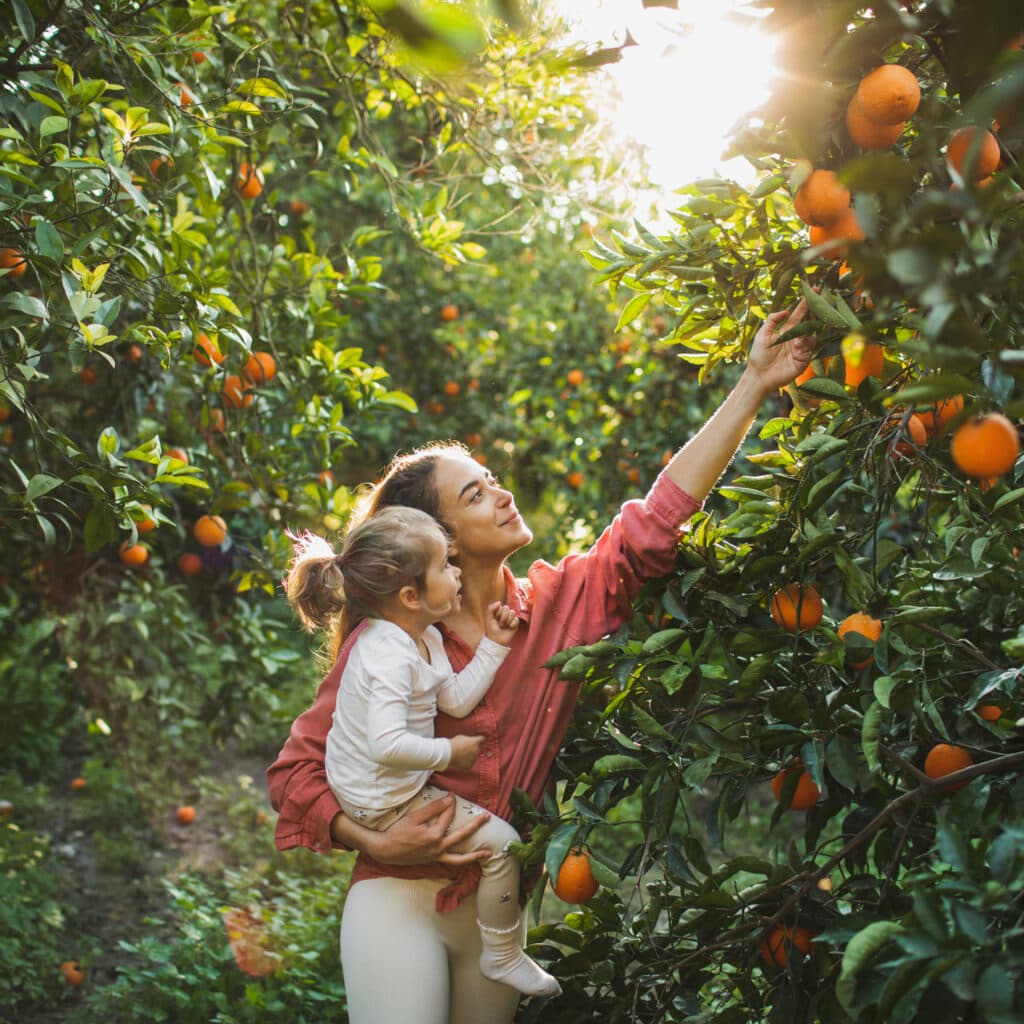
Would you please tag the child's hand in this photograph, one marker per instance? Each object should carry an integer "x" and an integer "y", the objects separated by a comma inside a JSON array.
[
  {"x": 501, "y": 623},
  {"x": 465, "y": 751}
]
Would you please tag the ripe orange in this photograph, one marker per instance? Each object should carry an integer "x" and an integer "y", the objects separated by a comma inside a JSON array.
[
  {"x": 944, "y": 759},
  {"x": 87, "y": 375},
  {"x": 473, "y": 440},
  {"x": 889, "y": 94},
  {"x": 452, "y": 388},
  {"x": 435, "y": 408},
  {"x": 186, "y": 97},
  {"x": 198, "y": 57},
  {"x": 134, "y": 554},
  {"x": 833, "y": 237},
  {"x": 78, "y": 783},
  {"x": 806, "y": 793},
  {"x": 985, "y": 446},
  {"x": 217, "y": 422},
  {"x": 861, "y": 359},
  {"x": 177, "y": 453},
  {"x": 867, "y": 626},
  {"x": 935, "y": 419},
  {"x": 989, "y": 712},
  {"x": 633, "y": 475},
  {"x": 574, "y": 377},
  {"x": 13, "y": 261},
  {"x": 260, "y": 368},
  {"x": 575, "y": 479},
  {"x": 776, "y": 945},
  {"x": 480, "y": 457},
  {"x": 249, "y": 181},
  {"x": 987, "y": 158},
  {"x": 575, "y": 882},
  {"x": 915, "y": 429},
  {"x": 73, "y": 974},
  {"x": 869, "y": 134},
  {"x": 821, "y": 199},
  {"x": 298, "y": 207},
  {"x": 185, "y": 814},
  {"x": 148, "y": 523},
  {"x": 190, "y": 564},
  {"x": 206, "y": 352},
  {"x": 449, "y": 313},
  {"x": 236, "y": 392},
  {"x": 134, "y": 354},
  {"x": 796, "y": 607},
  {"x": 210, "y": 531},
  {"x": 158, "y": 164},
  {"x": 326, "y": 478}
]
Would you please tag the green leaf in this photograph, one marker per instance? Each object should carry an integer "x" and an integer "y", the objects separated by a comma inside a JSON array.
[
  {"x": 858, "y": 954},
  {"x": 633, "y": 309},
  {"x": 27, "y": 304},
  {"x": 26, "y": 23},
  {"x": 558, "y": 846},
  {"x": 870, "y": 732},
  {"x": 262, "y": 87},
  {"x": 662, "y": 639},
  {"x": 39, "y": 485},
  {"x": 48, "y": 240},
  {"x": 52, "y": 125}
]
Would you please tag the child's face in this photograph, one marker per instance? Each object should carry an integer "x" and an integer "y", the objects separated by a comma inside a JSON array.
[{"x": 442, "y": 590}]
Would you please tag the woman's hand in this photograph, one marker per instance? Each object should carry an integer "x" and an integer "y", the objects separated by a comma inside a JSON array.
[
  {"x": 775, "y": 364},
  {"x": 420, "y": 837}
]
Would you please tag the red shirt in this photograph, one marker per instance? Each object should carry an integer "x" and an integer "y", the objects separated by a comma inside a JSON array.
[{"x": 525, "y": 714}]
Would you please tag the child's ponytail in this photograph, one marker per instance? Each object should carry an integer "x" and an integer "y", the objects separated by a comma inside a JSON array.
[{"x": 315, "y": 585}]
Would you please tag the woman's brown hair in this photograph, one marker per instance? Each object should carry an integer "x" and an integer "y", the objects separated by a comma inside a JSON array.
[{"x": 407, "y": 481}]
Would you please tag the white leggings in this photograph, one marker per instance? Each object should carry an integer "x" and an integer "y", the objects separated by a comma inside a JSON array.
[{"x": 404, "y": 962}]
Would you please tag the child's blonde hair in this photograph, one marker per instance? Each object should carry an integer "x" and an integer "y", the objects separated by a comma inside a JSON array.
[{"x": 389, "y": 550}]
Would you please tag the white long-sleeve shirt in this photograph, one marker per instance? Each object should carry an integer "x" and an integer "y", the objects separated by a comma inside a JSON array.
[{"x": 381, "y": 746}]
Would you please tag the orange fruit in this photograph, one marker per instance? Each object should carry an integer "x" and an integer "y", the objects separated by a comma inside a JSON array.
[
  {"x": 821, "y": 199},
  {"x": 989, "y": 712},
  {"x": 148, "y": 523},
  {"x": 217, "y": 422},
  {"x": 186, "y": 97},
  {"x": 190, "y": 564},
  {"x": 260, "y": 368},
  {"x": 210, "y": 531},
  {"x": 88, "y": 375},
  {"x": 78, "y": 783},
  {"x": 796, "y": 607},
  {"x": 960, "y": 144},
  {"x": 944, "y": 759},
  {"x": 236, "y": 392},
  {"x": 452, "y": 388},
  {"x": 198, "y": 57},
  {"x": 889, "y": 94},
  {"x": 158, "y": 164},
  {"x": 574, "y": 377},
  {"x": 5, "y": 413},
  {"x": 326, "y": 478},
  {"x": 435, "y": 408},
  {"x": 834, "y": 236},
  {"x": 449, "y": 313},
  {"x": 985, "y": 446},
  {"x": 473, "y": 440},
  {"x": 480, "y": 457},
  {"x": 776, "y": 945},
  {"x": 633, "y": 475},
  {"x": 134, "y": 354},
  {"x": 249, "y": 181},
  {"x": 575, "y": 882},
  {"x": 870, "y": 134},
  {"x": 861, "y": 359},
  {"x": 133, "y": 554},
  {"x": 806, "y": 793},
  {"x": 13, "y": 261},
  {"x": 298, "y": 207},
  {"x": 936, "y": 418},
  {"x": 185, "y": 814},
  {"x": 73, "y": 974},
  {"x": 177, "y": 453},
  {"x": 206, "y": 352},
  {"x": 918, "y": 435},
  {"x": 867, "y": 626},
  {"x": 575, "y": 479}
]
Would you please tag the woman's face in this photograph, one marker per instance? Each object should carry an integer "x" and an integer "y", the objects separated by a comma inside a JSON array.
[{"x": 481, "y": 514}]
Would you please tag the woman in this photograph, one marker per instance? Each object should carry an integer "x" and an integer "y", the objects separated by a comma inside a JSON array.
[{"x": 403, "y": 959}]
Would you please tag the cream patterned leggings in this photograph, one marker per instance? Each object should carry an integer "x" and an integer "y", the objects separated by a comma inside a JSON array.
[{"x": 405, "y": 963}]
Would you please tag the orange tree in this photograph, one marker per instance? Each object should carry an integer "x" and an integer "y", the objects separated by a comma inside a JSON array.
[{"x": 879, "y": 889}]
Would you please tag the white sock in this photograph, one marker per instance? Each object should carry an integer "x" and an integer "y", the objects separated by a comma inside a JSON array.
[{"x": 503, "y": 960}]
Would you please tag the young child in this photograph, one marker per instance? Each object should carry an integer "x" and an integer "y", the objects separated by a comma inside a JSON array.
[{"x": 394, "y": 570}]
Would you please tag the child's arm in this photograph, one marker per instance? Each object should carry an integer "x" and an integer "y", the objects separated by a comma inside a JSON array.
[{"x": 462, "y": 691}]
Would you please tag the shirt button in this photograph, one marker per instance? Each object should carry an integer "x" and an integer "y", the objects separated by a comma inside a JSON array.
[{"x": 489, "y": 753}]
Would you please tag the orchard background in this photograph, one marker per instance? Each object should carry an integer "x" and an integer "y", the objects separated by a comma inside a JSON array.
[{"x": 249, "y": 250}]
